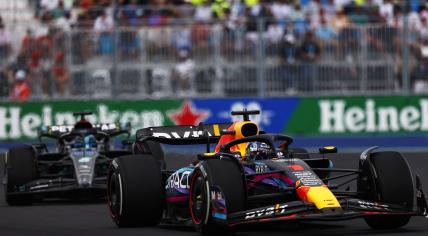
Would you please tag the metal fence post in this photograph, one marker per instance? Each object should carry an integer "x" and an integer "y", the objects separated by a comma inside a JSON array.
[
  {"x": 363, "y": 60},
  {"x": 261, "y": 58},
  {"x": 69, "y": 57},
  {"x": 405, "y": 49},
  {"x": 114, "y": 79},
  {"x": 219, "y": 88}
]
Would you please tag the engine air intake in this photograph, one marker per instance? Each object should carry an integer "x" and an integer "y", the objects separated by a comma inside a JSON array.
[{"x": 249, "y": 129}]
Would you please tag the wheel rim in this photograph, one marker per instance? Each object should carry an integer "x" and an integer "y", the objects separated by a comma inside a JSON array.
[
  {"x": 114, "y": 197},
  {"x": 198, "y": 198}
]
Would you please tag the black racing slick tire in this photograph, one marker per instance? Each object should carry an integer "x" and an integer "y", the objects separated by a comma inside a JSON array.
[
  {"x": 21, "y": 168},
  {"x": 135, "y": 191},
  {"x": 388, "y": 181},
  {"x": 224, "y": 174}
]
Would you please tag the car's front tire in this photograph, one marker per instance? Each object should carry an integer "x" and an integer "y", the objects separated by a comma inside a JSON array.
[
  {"x": 224, "y": 174},
  {"x": 135, "y": 191},
  {"x": 387, "y": 178},
  {"x": 21, "y": 169}
]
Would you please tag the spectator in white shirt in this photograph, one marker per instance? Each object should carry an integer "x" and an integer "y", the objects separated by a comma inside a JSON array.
[
  {"x": 386, "y": 10},
  {"x": 5, "y": 43},
  {"x": 68, "y": 4},
  {"x": 64, "y": 22},
  {"x": 340, "y": 4},
  {"x": 281, "y": 9},
  {"x": 203, "y": 13},
  {"x": 312, "y": 12},
  {"x": 424, "y": 29},
  {"x": 329, "y": 9},
  {"x": 49, "y": 4},
  {"x": 297, "y": 13},
  {"x": 414, "y": 21},
  {"x": 4, "y": 35},
  {"x": 103, "y": 27},
  {"x": 103, "y": 23},
  {"x": 183, "y": 75}
]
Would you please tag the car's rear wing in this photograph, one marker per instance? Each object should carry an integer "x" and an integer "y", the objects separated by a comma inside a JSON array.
[
  {"x": 112, "y": 129},
  {"x": 183, "y": 134}
]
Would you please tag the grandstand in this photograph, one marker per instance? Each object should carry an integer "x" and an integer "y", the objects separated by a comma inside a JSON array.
[{"x": 92, "y": 49}]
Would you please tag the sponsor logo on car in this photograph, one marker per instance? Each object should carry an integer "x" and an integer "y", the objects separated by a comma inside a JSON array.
[
  {"x": 307, "y": 178},
  {"x": 84, "y": 160},
  {"x": 179, "y": 180},
  {"x": 278, "y": 209},
  {"x": 261, "y": 167},
  {"x": 186, "y": 134},
  {"x": 216, "y": 195},
  {"x": 373, "y": 205},
  {"x": 61, "y": 128},
  {"x": 291, "y": 160}
]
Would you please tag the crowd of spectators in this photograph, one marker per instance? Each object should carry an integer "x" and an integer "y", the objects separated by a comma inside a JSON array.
[{"x": 298, "y": 31}]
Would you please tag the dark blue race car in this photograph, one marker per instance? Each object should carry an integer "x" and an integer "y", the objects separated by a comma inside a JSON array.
[{"x": 254, "y": 177}]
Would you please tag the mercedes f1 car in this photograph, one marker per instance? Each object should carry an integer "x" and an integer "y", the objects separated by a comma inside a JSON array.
[
  {"x": 77, "y": 168},
  {"x": 254, "y": 177}
]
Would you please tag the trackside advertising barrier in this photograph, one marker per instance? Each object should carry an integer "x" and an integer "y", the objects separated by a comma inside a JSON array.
[
  {"x": 19, "y": 121},
  {"x": 316, "y": 117}
]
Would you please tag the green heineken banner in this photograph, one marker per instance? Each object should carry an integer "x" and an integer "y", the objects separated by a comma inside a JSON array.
[
  {"x": 322, "y": 116},
  {"x": 20, "y": 121},
  {"x": 359, "y": 115}
]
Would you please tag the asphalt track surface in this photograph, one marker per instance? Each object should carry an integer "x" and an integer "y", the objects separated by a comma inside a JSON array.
[{"x": 71, "y": 218}]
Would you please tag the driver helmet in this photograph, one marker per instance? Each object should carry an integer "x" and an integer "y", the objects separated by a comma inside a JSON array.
[
  {"x": 78, "y": 142},
  {"x": 90, "y": 141},
  {"x": 257, "y": 151}
]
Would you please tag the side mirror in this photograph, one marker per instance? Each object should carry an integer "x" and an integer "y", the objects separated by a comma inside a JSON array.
[
  {"x": 207, "y": 156},
  {"x": 328, "y": 149}
]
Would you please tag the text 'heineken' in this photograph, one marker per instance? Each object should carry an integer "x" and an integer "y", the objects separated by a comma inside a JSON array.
[
  {"x": 16, "y": 124},
  {"x": 337, "y": 117}
]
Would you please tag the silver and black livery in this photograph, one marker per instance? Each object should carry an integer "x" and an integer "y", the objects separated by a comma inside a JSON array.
[{"x": 77, "y": 167}]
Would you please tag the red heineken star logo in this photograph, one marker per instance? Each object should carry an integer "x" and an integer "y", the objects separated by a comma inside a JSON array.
[{"x": 188, "y": 115}]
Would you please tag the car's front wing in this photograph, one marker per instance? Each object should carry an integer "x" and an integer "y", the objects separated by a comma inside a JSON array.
[
  {"x": 64, "y": 185},
  {"x": 299, "y": 210}
]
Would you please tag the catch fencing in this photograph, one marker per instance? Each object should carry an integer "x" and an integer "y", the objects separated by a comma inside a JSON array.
[{"x": 224, "y": 59}]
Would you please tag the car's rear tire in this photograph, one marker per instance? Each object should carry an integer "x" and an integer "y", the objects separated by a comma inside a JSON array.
[
  {"x": 21, "y": 168},
  {"x": 135, "y": 191},
  {"x": 393, "y": 185},
  {"x": 212, "y": 173}
]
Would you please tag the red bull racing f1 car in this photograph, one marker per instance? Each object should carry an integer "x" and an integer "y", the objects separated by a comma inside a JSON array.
[
  {"x": 77, "y": 168},
  {"x": 253, "y": 177}
]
